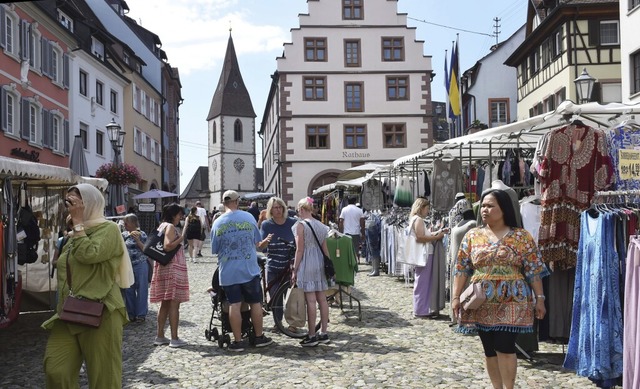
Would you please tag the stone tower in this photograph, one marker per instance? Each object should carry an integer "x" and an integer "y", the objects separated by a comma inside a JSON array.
[{"x": 231, "y": 124}]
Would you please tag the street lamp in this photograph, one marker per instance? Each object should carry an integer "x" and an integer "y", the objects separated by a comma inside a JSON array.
[
  {"x": 584, "y": 86},
  {"x": 116, "y": 137}
]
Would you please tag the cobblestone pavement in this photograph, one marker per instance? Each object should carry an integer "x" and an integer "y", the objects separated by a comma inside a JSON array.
[{"x": 388, "y": 348}]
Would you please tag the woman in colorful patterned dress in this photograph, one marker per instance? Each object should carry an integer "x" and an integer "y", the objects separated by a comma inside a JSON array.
[
  {"x": 499, "y": 254},
  {"x": 170, "y": 283}
]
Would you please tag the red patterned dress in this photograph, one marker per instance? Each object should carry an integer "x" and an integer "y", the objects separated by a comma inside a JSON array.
[
  {"x": 170, "y": 282},
  {"x": 575, "y": 164}
]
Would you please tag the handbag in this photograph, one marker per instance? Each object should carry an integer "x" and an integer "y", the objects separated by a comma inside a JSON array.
[
  {"x": 473, "y": 297},
  {"x": 78, "y": 310},
  {"x": 154, "y": 249},
  {"x": 329, "y": 270},
  {"x": 415, "y": 253}
]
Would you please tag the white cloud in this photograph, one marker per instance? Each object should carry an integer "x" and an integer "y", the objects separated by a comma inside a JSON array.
[{"x": 194, "y": 33}]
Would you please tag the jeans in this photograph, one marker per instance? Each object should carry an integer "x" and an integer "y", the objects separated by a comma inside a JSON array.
[{"x": 136, "y": 297}]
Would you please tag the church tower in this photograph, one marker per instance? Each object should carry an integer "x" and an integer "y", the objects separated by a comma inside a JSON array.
[{"x": 231, "y": 123}]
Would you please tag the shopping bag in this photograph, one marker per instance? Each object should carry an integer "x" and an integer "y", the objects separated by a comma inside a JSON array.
[{"x": 295, "y": 310}]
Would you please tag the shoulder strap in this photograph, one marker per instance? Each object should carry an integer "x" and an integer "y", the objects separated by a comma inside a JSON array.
[{"x": 314, "y": 234}]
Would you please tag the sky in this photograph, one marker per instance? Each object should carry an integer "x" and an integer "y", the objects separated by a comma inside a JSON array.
[{"x": 194, "y": 34}]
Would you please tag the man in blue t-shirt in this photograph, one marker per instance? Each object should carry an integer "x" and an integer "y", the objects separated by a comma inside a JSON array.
[{"x": 234, "y": 237}]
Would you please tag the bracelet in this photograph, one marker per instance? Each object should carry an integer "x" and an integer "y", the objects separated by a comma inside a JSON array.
[
  {"x": 455, "y": 298},
  {"x": 541, "y": 296}
]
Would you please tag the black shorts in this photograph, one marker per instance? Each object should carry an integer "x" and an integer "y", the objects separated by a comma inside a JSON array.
[{"x": 501, "y": 341}]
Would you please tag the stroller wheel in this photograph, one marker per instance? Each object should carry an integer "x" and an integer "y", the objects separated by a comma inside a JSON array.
[
  {"x": 215, "y": 334},
  {"x": 220, "y": 342},
  {"x": 207, "y": 335},
  {"x": 226, "y": 339}
]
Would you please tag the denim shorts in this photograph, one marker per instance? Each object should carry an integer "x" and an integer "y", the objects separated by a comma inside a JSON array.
[{"x": 249, "y": 292}]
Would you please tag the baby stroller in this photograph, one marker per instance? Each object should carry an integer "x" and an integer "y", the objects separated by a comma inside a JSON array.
[{"x": 220, "y": 313}]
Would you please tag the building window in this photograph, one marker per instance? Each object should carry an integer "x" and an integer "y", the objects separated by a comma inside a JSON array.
[
  {"x": 137, "y": 140},
  {"x": 397, "y": 88},
  {"x": 315, "y": 49},
  {"x": 499, "y": 112},
  {"x": 560, "y": 96},
  {"x": 99, "y": 92},
  {"x": 97, "y": 48},
  {"x": 354, "y": 96},
  {"x": 609, "y": 32},
  {"x": 549, "y": 103},
  {"x": 55, "y": 133},
  {"x": 84, "y": 136},
  {"x": 9, "y": 114},
  {"x": 557, "y": 42},
  {"x": 315, "y": 88},
  {"x": 534, "y": 63},
  {"x": 633, "y": 4},
  {"x": 355, "y": 136},
  {"x": 317, "y": 137},
  {"x": 393, "y": 49},
  {"x": 33, "y": 124},
  {"x": 113, "y": 101},
  {"x": 83, "y": 83},
  {"x": 394, "y": 135},
  {"x": 352, "y": 9},
  {"x": 65, "y": 20},
  {"x": 635, "y": 72},
  {"x": 214, "y": 134},
  {"x": 237, "y": 131},
  {"x": 352, "y": 53},
  {"x": 9, "y": 33},
  {"x": 99, "y": 143},
  {"x": 610, "y": 92}
]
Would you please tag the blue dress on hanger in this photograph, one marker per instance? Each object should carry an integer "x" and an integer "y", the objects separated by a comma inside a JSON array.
[{"x": 595, "y": 343}]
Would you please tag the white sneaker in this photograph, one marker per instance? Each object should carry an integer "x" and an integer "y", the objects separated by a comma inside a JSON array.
[
  {"x": 161, "y": 341},
  {"x": 175, "y": 343}
]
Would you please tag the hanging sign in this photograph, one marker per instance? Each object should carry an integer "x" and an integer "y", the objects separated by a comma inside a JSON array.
[{"x": 629, "y": 166}]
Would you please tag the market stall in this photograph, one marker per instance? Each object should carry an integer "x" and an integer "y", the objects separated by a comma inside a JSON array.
[{"x": 40, "y": 189}]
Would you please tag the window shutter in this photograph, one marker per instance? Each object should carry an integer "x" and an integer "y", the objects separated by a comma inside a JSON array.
[
  {"x": 46, "y": 128},
  {"x": 3, "y": 28},
  {"x": 594, "y": 32},
  {"x": 3, "y": 105},
  {"x": 24, "y": 105},
  {"x": 65, "y": 70},
  {"x": 65, "y": 130},
  {"x": 46, "y": 62},
  {"x": 24, "y": 39},
  {"x": 596, "y": 93}
]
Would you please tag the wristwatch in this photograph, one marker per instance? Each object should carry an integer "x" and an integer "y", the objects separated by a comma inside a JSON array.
[{"x": 78, "y": 227}]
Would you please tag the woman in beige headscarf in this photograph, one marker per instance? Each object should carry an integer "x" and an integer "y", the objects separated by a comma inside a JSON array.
[{"x": 99, "y": 266}]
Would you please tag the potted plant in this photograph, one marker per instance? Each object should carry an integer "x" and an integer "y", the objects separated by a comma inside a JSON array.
[
  {"x": 121, "y": 174},
  {"x": 476, "y": 126}
]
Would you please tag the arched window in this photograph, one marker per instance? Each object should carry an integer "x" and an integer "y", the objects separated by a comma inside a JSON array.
[
  {"x": 237, "y": 131},
  {"x": 214, "y": 135}
]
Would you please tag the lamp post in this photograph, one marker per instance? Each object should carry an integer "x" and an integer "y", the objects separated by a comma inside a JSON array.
[
  {"x": 584, "y": 86},
  {"x": 116, "y": 137}
]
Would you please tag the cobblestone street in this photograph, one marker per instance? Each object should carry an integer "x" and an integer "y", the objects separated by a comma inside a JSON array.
[{"x": 388, "y": 348}]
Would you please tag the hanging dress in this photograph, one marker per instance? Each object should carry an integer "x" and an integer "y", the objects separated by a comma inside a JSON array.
[{"x": 595, "y": 343}]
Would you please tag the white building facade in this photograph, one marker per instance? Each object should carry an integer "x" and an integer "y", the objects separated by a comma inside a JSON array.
[
  {"x": 352, "y": 87},
  {"x": 630, "y": 50}
]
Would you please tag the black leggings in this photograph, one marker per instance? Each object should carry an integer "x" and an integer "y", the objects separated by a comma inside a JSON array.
[{"x": 500, "y": 341}]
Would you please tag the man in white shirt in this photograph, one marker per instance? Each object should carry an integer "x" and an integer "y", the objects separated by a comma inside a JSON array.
[
  {"x": 204, "y": 222},
  {"x": 352, "y": 224}
]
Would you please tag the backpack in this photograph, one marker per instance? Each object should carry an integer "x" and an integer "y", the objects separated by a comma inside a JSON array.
[{"x": 27, "y": 247}]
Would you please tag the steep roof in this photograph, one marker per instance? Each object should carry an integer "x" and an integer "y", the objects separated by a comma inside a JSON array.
[
  {"x": 231, "y": 97},
  {"x": 198, "y": 187}
]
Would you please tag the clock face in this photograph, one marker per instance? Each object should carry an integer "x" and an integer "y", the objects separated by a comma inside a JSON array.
[
  {"x": 214, "y": 165},
  {"x": 238, "y": 164}
]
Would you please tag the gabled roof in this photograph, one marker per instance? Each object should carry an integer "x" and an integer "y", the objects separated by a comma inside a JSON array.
[
  {"x": 198, "y": 187},
  {"x": 231, "y": 97}
]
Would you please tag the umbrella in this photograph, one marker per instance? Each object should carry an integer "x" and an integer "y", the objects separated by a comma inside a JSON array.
[
  {"x": 154, "y": 194},
  {"x": 77, "y": 160}
]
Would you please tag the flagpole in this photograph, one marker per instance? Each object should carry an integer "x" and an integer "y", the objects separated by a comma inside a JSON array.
[
  {"x": 446, "y": 85},
  {"x": 459, "y": 75}
]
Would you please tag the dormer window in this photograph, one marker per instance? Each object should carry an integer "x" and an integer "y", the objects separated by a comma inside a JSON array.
[
  {"x": 97, "y": 48},
  {"x": 125, "y": 58},
  {"x": 65, "y": 20}
]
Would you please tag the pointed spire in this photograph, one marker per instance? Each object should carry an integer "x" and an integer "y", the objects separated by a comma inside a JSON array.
[{"x": 231, "y": 97}]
